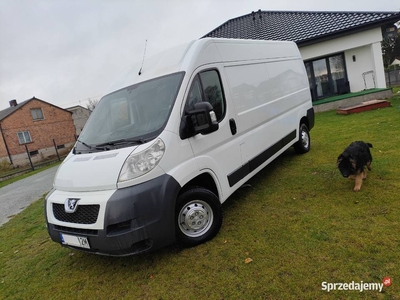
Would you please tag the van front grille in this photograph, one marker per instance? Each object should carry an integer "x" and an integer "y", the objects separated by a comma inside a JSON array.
[{"x": 84, "y": 214}]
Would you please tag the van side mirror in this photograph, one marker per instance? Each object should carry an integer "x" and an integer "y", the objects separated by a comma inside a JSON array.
[
  {"x": 200, "y": 120},
  {"x": 203, "y": 118}
]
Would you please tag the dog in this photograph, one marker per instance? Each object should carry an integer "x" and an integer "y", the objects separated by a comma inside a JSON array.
[{"x": 352, "y": 161}]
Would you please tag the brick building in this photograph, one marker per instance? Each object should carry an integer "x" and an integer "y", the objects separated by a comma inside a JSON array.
[{"x": 35, "y": 125}]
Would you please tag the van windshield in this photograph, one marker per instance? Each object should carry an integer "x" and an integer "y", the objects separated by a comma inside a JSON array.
[{"x": 132, "y": 115}]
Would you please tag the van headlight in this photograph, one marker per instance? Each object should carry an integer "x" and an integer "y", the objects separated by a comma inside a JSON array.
[{"x": 138, "y": 164}]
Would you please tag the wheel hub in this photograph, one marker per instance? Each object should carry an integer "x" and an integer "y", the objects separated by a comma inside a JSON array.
[
  {"x": 195, "y": 218},
  {"x": 304, "y": 139}
]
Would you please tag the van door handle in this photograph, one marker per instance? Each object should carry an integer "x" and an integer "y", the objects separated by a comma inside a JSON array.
[{"x": 232, "y": 124}]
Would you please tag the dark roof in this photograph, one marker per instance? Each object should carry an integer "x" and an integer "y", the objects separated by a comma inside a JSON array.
[
  {"x": 8, "y": 111},
  {"x": 304, "y": 28}
]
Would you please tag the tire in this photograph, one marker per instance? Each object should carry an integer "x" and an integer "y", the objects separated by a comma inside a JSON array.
[
  {"x": 304, "y": 142},
  {"x": 198, "y": 217}
]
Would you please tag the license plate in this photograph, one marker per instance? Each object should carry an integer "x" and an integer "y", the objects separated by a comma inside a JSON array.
[{"x": 72, "y": 240}]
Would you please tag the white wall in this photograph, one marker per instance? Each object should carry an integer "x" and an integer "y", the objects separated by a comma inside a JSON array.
[
  {"x": 366, "y": 48},
  {"x": 80, "y": 115},
  {"x": 355, "y": 69}
]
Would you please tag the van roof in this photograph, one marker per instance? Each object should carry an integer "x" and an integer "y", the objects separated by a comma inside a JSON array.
[{"x": 189, "y": 56}]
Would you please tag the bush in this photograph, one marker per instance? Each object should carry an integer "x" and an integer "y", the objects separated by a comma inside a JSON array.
[{"x": 5, "y": 165}]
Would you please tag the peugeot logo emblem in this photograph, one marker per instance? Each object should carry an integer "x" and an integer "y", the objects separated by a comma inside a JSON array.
[{"x": 70, "y": 205}]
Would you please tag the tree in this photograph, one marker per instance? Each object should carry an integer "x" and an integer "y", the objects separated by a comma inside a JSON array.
[
  {"x": 390, "y": 47},
  {"x": 396, "y": 50},
  {"x": 92, "y": 103}
]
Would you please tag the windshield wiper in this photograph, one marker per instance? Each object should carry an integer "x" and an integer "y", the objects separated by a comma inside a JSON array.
[
  {"x": 121, "y": 142},
  {"x": 84, "y": 144}
]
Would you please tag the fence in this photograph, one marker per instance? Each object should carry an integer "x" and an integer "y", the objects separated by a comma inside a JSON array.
[
  {"x": 43, "y": 160},
  {"x": 392, "y": 78},
  {"x": 33, "y": 159}
]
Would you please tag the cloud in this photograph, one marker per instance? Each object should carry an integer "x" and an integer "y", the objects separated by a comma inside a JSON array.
[{"x": 67, "y": 51}]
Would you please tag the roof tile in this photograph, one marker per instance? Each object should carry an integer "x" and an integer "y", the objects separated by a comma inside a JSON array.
[{"x": 299, "y": 27}]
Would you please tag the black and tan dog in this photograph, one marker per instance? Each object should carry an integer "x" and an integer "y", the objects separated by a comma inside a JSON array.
[{"x": 352, "y": 161}]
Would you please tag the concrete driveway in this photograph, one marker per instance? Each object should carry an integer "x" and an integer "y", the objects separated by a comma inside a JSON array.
[{"x": 17, "y": 196}]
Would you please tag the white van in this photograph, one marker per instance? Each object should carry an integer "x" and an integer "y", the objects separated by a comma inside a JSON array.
[{"x": 161, "y": 153}]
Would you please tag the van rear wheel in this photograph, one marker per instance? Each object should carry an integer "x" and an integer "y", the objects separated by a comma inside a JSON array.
[
  {"x": 303, "y": 144},
  {"x": 199, "y": 216}
]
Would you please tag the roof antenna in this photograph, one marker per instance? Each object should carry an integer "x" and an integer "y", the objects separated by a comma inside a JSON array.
[{"x": 145, "y": 45}]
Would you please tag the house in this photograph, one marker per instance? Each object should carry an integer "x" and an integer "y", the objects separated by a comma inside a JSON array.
[
  {"x": 80, "y": 115},
  {"x": 341, "y": 50},
  {"x": 37, "y": 127}
]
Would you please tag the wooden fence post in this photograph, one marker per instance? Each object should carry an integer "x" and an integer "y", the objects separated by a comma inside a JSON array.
[
  {"x": 55, "y": 147},
  {"x": 29, "y": 156}
]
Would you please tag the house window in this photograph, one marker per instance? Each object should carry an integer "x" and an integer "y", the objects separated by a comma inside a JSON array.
[
  {"x": 24, "y": 137},
  {"x": 327, "y": 76},
  {"x": 33, "y": 153},
  {"x": 37, "y": 113}
]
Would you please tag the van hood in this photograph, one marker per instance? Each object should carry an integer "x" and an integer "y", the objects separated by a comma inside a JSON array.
[{"x": 91, "y": 172}]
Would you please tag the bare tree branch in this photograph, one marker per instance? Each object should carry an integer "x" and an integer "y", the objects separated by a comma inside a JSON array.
[{"x": 92, "y": 103}]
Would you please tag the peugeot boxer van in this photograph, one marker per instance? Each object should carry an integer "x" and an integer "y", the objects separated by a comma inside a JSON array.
[{"x": 177, "y": 136}]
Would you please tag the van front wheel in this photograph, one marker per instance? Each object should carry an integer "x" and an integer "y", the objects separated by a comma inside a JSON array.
[
  {"x": 303, "y": 144},
  {"x": 199, "y": 216}
]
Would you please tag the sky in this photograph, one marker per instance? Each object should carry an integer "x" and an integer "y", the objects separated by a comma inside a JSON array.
[{"x": 68, "y": 51}]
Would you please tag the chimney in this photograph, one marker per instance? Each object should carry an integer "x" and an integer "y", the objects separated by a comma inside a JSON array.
[{"x": 13, "y": 103}]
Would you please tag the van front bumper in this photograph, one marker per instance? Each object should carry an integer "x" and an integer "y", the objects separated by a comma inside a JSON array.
[{"x": 131, "y": 220}]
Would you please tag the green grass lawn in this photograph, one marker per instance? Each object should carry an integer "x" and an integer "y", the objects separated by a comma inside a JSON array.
[{"x": 298, "y": 224}]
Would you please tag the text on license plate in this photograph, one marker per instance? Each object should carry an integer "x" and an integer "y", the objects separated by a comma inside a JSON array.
[{"x": 72, "y": 240}]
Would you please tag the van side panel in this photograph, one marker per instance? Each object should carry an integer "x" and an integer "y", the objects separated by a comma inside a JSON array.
[
  {"x": 267, "y": 98},
  {"x": 272, "y": 90},
  {"x": 248, "y": 50}
]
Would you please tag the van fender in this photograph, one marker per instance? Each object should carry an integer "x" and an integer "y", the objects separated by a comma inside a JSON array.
[
  {"x": 190, "y": 170},
  {"x": 210, "y": 166},
  {"x": 308, "y": 114},
  {"x": 216, "y": 181},
  {"x": 185, "y": 171}
]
